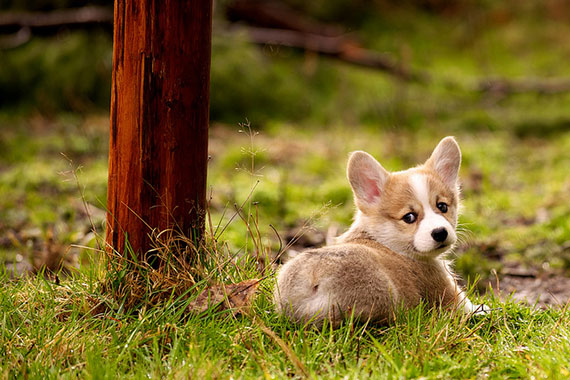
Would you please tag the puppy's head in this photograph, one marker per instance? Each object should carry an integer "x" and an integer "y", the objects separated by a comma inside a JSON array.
[{"x": 412, "y": 212}]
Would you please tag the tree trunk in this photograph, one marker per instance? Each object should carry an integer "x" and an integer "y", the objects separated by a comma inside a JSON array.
[{"x": 159, "y": 120}]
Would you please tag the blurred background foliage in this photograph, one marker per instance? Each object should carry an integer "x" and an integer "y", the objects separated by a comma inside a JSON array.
[{"x": 460, "y": 43}]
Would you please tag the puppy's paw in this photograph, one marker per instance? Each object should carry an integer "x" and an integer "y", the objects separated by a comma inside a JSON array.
[
  {"x": 472, "y": 309},
  {"x": 480, "y": 309}
]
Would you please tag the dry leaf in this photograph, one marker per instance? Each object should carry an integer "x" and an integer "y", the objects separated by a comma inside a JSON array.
[{"x": 239, "y": 295}]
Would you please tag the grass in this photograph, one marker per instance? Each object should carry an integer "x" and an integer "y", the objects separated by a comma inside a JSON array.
[
  {"x": 87, "y": 326},
  {"x": 72, "y": 329},
  {"x": 515, "y": 188},
  {"x": 76, "y": 328}
]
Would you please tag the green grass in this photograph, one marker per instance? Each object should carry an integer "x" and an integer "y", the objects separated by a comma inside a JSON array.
[
  {"x": 73, "y": 330},
  {"x": 515, "y": 188},
  {"x": 78, "y": 329}
]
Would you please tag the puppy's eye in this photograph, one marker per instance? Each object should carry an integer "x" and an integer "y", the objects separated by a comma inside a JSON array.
[
  {"x": 410, "y": 217},
  {"x": 442, "y": 207}
]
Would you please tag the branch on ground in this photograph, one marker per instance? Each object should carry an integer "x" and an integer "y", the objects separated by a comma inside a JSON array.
[
  {"x": 342, "y": 48},
  {"x": 501, "y": 87},
  {"x": 275, "y": 23},
  {"x": 46, "y": 23},
  {"x": 278, "y": 15}
]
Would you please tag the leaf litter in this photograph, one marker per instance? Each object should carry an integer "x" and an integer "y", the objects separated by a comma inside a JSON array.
[{"x": 236, "y": 297}]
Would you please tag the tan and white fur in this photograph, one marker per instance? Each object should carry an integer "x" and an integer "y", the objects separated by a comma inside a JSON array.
[{"x": 390, "y": 258}]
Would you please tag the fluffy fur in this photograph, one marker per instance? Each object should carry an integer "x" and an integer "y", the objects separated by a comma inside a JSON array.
[{"x": 390, "y": 256}]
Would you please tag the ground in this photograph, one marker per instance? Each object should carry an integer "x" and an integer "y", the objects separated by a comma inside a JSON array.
[{"x": 514, "y": 225}]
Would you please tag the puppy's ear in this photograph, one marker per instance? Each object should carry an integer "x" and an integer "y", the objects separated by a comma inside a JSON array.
[
  {"x": 367, "y": 179},
  {"x": 446, "y": 160}
]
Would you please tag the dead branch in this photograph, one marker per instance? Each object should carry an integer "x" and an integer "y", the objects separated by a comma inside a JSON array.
[
  {"x": 342, "y": 48},
  {"x": 275, "y": 14},
  {"x": 49, "y": 22},
  {"x": 275, "y": 23},
  {"x": 501, "y": 87},
  {"x": 14, "y": 40}
]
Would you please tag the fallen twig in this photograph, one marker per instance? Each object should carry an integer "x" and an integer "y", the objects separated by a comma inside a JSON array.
[
  {"x": 339, "y": 47},
  {"x": 45, "y": 22},
  {"x": 502, "y": 87}
]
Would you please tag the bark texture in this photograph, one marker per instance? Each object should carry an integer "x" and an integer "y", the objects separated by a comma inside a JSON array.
[{"x": 159, "y": 119}]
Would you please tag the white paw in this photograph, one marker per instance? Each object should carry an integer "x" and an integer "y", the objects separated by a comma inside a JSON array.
[
  {"x": 480, "y": 309},
  {"x": 470, "y": 308}
]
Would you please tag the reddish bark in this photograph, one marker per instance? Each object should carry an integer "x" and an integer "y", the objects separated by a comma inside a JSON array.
[{"x": 159, "y": 119}]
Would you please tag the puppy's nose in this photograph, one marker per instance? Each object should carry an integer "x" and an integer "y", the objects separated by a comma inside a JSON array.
[{"x": 439, "y": 234}]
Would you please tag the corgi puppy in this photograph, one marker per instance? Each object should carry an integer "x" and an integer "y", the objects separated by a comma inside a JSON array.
[{"x": 391, "y": 256}]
